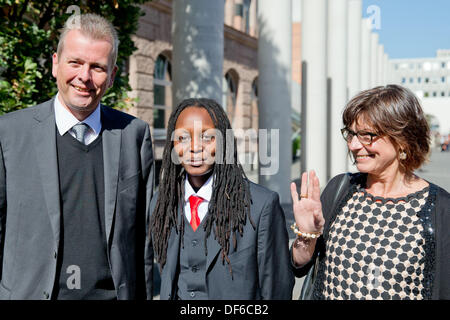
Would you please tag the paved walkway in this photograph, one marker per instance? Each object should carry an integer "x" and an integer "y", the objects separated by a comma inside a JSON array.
[{"x": 437, "y": 170}]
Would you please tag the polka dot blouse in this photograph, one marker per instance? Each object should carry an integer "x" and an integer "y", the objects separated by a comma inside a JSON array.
[{"x": 375, "y": 248}]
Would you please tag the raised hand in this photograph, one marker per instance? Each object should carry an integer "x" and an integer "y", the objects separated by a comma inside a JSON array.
[{"x": 307, "y": 207}]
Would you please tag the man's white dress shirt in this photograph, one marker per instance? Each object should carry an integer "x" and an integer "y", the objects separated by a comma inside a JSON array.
[{"x": 65, "y": 120}]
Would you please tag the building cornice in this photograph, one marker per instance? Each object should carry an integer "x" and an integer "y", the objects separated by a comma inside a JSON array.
[
  {"x": 239, "y": 36},
  {"x": 229, "y": 32}
]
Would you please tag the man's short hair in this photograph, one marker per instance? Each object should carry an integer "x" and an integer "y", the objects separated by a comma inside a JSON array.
[{"x": 92, "y": 26}]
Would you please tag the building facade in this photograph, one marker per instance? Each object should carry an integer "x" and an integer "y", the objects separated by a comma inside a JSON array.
[{"x": 150, "y": 70}]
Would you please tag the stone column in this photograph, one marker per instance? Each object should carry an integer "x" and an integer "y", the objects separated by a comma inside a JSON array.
[
  {"x": 337, "y": 74},
  {"x": 354, "y": 47},
  {"x": 373, "y": 59},
  {"x": 365, "y": 55},
  {"x": 386, "y": 69},
  {"x": 274, "y": 88},
  {"x": 380, "y": 64},
  {"x": 314, "y": 88},
  {"x": 354, "y": 58},
  {"x": 197, "y": 37}
]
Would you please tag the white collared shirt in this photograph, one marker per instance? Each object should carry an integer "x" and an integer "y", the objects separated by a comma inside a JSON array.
[
  {"x": 204, "y": 192},
  {"x": 65, "y": 120}
]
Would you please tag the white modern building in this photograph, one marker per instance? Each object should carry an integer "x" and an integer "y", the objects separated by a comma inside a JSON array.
[{"x": 429, "y": 79}]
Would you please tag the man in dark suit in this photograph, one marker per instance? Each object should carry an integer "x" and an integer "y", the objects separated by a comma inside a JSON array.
[{"x": 76, "y": 179}]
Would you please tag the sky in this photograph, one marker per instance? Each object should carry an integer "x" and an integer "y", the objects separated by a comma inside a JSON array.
[{"x": 410, "y": 28}]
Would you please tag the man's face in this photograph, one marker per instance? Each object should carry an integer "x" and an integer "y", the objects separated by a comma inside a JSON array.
[{"x": 83, "y": 73}]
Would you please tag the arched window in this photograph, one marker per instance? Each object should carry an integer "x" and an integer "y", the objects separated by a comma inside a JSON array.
[
  {"x": 162, "y": 93},
  {"x": 229, "y": 89},
  {"x": 254, "y": 125},
  {"x": 254, "y": 101}
]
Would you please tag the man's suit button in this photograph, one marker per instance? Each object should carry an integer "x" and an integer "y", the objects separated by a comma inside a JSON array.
[{"x": 55, "y": 255}]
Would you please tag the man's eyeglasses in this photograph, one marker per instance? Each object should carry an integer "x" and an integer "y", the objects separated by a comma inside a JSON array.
[{"x": 364, "y": 137}]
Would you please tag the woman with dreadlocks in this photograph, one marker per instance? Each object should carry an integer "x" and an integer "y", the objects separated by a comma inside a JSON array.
[{"x": 215, "y": 234}]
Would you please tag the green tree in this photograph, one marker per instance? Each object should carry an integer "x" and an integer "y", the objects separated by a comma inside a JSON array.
[{"x": 29, "y": 33}]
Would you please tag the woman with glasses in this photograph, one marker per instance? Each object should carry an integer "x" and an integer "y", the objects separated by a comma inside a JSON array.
[{"x": 384, "y": 232}]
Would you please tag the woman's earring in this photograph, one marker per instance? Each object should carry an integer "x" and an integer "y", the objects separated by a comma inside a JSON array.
[{"x": 402, "y": 155}]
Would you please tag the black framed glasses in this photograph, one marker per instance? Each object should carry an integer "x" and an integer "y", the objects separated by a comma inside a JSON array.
[{"x": 364, "y": 137}]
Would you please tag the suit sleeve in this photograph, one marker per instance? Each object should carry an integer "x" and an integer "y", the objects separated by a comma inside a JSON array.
[
  {"x": 2, "y": 206},
  {"x": 148, "y": 170},
  {"x": 276, "y": 279}
]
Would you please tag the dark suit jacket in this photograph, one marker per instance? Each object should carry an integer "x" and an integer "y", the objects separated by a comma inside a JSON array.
[
  {"x": 260, "y": 263},
  {"x": 30, "y": 201}
]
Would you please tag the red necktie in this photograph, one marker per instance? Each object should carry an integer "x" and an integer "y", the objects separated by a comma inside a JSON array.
[{"x": 195, "y": 201}]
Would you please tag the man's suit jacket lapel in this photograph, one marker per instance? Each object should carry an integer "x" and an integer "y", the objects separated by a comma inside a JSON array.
[
  {"x": 44, "y": 135},
  {"x": 112, "y": 135}
]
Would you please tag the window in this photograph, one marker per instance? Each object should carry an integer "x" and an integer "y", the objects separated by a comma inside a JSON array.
[
  {"x": 253, "y": 153},
  {"x": 419, "y": 80},
  {"x": 254, "y": 99},
  {"x": 229, "y": 94},
  {"x": 162, "y": 92},
  {"x": 411, "y": 80},
  {"x": 434, "y": 94},
  {"x": 403, "y": 80},
  {"x": 443, "y": 79},
  {"x": 427, "y": 80},
  {"x": 442, "y": 94},
  {"x": 246, "y": 9},
  {"x": 426, "y": 94}
]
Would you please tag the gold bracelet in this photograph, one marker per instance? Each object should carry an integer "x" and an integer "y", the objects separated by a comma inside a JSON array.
[{"x": 305, "y": 235}]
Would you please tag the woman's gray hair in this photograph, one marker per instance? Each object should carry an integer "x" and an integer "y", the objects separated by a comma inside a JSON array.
[{"x": 92, "y": 26}]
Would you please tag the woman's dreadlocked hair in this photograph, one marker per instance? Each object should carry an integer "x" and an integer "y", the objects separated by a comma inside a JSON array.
[{"x": 230, "y": 200}]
